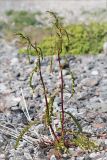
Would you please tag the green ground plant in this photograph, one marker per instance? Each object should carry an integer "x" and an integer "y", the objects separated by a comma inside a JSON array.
[
  {"x": 83, "y": 39},
  {"x": 59, "y": 142}
]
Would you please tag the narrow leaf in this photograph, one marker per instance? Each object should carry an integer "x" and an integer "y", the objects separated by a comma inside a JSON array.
[{"x": 75, "y": 120}]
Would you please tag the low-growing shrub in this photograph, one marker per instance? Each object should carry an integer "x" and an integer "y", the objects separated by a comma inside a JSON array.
[{"x": 83, "y": 39}]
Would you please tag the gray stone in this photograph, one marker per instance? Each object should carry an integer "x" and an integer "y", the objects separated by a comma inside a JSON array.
[
  {"x": 94, "y": 154},
  {"x": 72, "y": 110},
  {"x": 2, "y": 157},
  {"x": 68, "y": 77},
  {"x": 14, "y": 61},
  {"x": 105, "y": 141},
  {"x": 12, "y": 100},
  {"x": 65, "y": 72},
  {"x": 90, "y": 82},
  {"x": 104, "y": 96},
  {"x": 100, "y": 107},
  {"x": 91, "y": 66},
  {"x": 53, "y": 157},
  {"x": 1, "y": 141},
  {"x": 80, "y": 158},
  {"x": 27, "y": 156},
  {"x": 86, "y": 157},
  {"x": 3, "y": 88},
  {"x": 94, "y": 73}
]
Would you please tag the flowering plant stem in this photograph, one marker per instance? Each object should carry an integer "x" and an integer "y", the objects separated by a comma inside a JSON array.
[
  {"x": 62, "y": 100},
  {"x": 46, "y": 101}
]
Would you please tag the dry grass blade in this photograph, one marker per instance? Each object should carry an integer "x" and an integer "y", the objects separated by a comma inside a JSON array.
[{"x": 24, "y": 107}]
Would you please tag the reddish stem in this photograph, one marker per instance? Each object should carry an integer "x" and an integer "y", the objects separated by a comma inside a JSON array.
[
  {"x": 62, "y": 99},
  {"x": 46, "y": 101}
]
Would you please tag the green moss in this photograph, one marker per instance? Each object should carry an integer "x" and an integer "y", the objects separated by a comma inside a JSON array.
[{"x": 84, "y": 39}]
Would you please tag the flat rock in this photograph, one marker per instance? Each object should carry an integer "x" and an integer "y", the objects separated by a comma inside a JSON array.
[
  {"x": 100, "y": 107},
  {"x": 89, "y": 82},
  {"x": 3, "y": 88}
]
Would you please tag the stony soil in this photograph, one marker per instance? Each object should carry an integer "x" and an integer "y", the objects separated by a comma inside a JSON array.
[{"x": 89, "y": 103}]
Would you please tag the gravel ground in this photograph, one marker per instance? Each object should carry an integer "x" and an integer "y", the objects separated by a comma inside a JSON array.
[{"x": 89, "y": 103}]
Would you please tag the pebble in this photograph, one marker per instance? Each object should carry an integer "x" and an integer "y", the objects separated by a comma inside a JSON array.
[
  {"x": 14, "y": 61},
  {"x": 13, "y": 101},
  {"x": 53, "y": 157},
  {"x": 90, "y": 82},
  {"x": 94, "y": 155},
  {"x": 94, "y": 73},
  {"x": 3, "y": 88},
  {"x": 2, "y": 157},
  {"x": 27, "y": 156},
  {"x": 101, "y": 107}
]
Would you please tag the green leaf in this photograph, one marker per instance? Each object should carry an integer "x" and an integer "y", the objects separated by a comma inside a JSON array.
[
  {"x": 75, "y": 120},
  {"x": 24, "y": 131}
]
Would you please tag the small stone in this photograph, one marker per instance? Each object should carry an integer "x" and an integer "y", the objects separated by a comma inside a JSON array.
[
  {"x": 87, "y": 157},
  {"x": 65, "y": 72},
  {"x": 71, "y": 150},
  {"x": 1, "y": 141},
  {"x": 91, "y": 66},
  {"x": 53, "y": 157},
  {"x": 89, "y": 82},
  {"x": 2, "y": 157},
  {"x": 94, "y": 73},
  {"x": 72, "y": 110},
  {"x": 3, "y": 88},
  {"x": 99, "y": 125},
  {"x": 100, "y": 107},
  {"x": 94, "y": 155},
  {"x": 12, "y": 101},
  {"x": 64, "y": 64},
  {"x": 65, "y": 155},
  {"x": 27, "y": 156},
  {"x": 105, "y": 141},
  {"x": 18, "y": 75},
  {"x": 68, "y": 76},
  {"x": 80, "y": 158},
  {"x": 82, "y": 96},
  {"x": 14, "y": 61}
]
